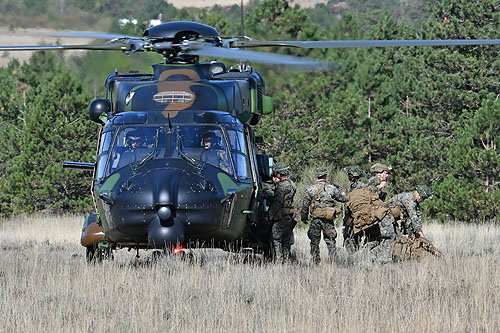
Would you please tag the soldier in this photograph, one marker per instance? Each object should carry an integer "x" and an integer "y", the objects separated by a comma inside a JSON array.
[
  {"x": 213, "y": 153},
  {"x": 378, "y": 182},
  {"x": 354, "y": 172},
  {"x": 269, "y": 187},
  {"x": 281, "y": 211},
  {"x": 411, "y": 243},
  {"x": 371, "y": 215},
  {"x": 405, "y": 208},
  {"x": 319, "y": 203}
]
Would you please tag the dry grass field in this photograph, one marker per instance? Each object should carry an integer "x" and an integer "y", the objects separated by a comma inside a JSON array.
[{"x": 46, "y": 285}]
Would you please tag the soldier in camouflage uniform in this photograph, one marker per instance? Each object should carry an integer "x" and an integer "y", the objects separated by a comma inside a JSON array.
[
  {"x": 354, "y": 172},
  {"x": 318, "y": 200},
  {"x": 385, "y": 233},
  {"x": 405, "y": 208},
  {"x": 378, "y": 181},
  {"x": 281, "y": 212}
]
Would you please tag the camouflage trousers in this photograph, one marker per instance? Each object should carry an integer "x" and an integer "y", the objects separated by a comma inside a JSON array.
[
  {"x": 383, "y": 251},
  {"x": 351, "y": 242},
  {"x": 282, "y": 232},
  {"x": 329, "y": 235}
]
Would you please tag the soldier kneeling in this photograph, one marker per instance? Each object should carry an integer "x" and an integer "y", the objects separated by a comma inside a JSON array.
[{"x": 406, "y": 212}]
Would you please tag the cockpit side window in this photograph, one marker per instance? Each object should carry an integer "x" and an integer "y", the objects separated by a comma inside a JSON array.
[
  {"x": 105, "y": 145},
  {"x": 239, "y": 152}
]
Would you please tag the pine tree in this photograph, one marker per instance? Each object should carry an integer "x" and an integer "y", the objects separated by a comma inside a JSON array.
[{"x": 54, "y": 128}]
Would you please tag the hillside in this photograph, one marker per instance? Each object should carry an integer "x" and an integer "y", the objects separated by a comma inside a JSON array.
[
  {"x": 29, "y": 37},
  {"x": 203, "y": 3}
]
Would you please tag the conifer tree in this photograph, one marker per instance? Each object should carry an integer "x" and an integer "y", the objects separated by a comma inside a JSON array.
[{"x": 54, "y": 128}]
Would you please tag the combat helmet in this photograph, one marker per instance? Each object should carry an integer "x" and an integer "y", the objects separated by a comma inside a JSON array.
[
  {"x": 379, "y": 167},
  {"x": 424, "y": 191},
  {"x": 133, "y": 137},
  {"x": 282, "y": 168},
  {"x": 321, "y": 172},
  {"x": 210, "y": 136},
  {"x": 354, "y": 170}
]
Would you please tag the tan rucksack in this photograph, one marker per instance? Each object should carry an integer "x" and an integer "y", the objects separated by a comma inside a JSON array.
[
  {"x": 366, "y": 208},
  {"x": 406, "y": 248},
  {"x": 328, "y": 212}
]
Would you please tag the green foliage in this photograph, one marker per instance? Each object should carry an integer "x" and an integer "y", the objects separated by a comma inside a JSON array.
[
  {"x": 47, "y": 124},
  {"x": 430, "y": 112}
]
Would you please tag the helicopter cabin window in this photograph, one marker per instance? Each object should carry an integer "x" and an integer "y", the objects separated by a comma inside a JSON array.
[
  {"x": 134, "y": 144},
  {"x": 105, "y": 144},
  {"x": 202, "y": 144},
  {"x": 239, "y": 153}
]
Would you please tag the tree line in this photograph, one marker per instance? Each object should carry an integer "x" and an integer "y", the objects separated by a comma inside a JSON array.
[{"x": 433, "y": 113}]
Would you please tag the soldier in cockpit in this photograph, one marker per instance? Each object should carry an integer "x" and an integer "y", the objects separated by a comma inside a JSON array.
[{"x": 213, "y": 153}]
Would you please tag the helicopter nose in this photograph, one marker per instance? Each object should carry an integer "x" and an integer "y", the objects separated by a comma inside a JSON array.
[
  {"x": 164, "y": 213},
  {"x": 160, "y": 236}
]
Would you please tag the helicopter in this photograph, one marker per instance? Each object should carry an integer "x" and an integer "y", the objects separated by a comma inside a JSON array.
[{"x": 178, "y": 164}]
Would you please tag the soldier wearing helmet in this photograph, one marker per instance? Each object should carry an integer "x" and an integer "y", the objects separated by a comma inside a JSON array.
[
  {"x": 354, "y": 173},
  {"x": 281, "y": 211},
  {"x": 320, "y": 204},
  {"x": 405, "y": 208},
  {"x": 381, "y": 234},
  {"x": 378, "y": 181},
  {"x": 351, "y": 243},
  {"x": 133, "y": 142},
  {"x": 213, "y": 153}
]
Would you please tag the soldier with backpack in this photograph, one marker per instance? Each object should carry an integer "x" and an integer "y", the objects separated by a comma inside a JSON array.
[
  {"x": 371, "y": 217},
  {"x": 354, "y": 173},
  {"x": 320, "y": 204},
  {"x": 405, "y": 210}
]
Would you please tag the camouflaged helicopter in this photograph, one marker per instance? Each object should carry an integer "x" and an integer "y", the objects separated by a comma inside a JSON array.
[{"x": 177, "y": 160}]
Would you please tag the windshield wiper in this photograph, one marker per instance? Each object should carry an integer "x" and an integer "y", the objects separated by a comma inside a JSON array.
[
  {"x": 188, "y": 159},
  {"x": 152, "y": 153}
]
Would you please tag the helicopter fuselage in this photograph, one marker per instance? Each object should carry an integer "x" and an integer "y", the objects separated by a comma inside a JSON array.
[{"x": 177, "y": 161}]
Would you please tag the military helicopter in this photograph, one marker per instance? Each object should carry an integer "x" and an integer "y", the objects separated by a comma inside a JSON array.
[{"x": 177, "y": 158}]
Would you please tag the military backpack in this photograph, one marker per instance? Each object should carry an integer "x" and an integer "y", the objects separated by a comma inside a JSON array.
[
  {"x": 327, "y": 212},
  {"x": 366, "y": 208},
  {"x": 406, "y": 248}
]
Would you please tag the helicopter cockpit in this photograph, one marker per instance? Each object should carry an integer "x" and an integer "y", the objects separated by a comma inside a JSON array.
[{"x": 222, "y": 146}]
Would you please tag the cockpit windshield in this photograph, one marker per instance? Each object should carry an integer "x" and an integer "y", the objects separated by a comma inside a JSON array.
[
  {"x": 135, "y": 144},
  {"x": 200, "y": 145},
  {"x": 205, "y": 144}
]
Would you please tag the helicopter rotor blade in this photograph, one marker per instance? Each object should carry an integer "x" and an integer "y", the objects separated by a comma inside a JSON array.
[
  {"x": 363, "y": 43},
  {"x": 108, "y": 46},
  {"x": 86, "y": 34},
  {"x": 292, "y": 63}
]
